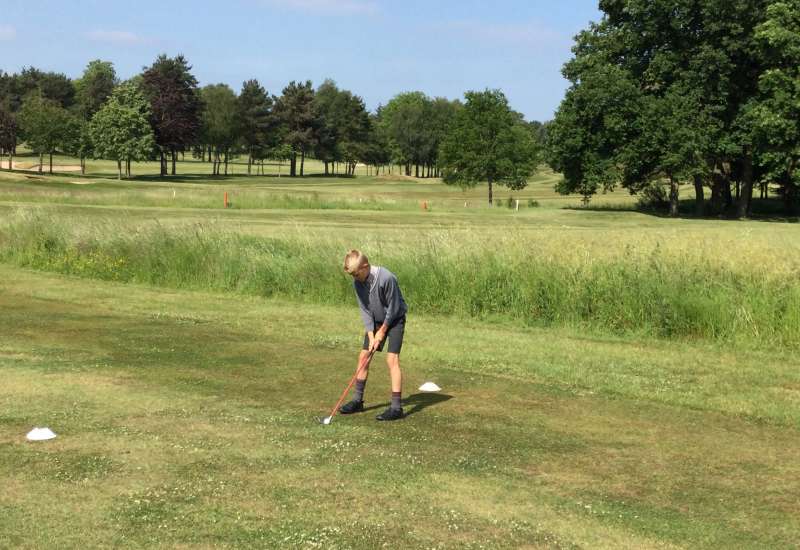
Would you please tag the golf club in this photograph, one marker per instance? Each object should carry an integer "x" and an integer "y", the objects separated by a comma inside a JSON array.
[{"x": 327, "y": 420}]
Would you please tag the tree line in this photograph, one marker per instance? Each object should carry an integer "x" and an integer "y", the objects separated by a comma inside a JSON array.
[
  {"x": 163, "y": 113},
  {"x": 698, "y": 92}
]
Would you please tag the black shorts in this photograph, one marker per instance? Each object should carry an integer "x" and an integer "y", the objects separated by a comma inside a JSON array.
[{"x": 394, "y": 335}]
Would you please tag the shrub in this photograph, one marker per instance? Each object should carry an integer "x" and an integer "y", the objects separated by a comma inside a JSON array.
[{"x": 653, "y": 197}]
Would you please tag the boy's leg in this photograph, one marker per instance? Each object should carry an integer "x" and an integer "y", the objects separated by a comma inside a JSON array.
[
  {"x": 393, "y": 362},
  {"x": 361, "y": 378},
  {"x": 357, "y": 403},
  {"x": 395, "y": 336}
]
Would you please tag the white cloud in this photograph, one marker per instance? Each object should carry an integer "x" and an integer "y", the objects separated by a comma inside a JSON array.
[
  {"x": 7, "y": 33},
  {"x": 328, "y": 7},
  {"x": 115, "y": 37}
]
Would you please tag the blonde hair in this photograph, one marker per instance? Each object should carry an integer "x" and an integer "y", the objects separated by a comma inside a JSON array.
[{"x": 353, "y": 260}]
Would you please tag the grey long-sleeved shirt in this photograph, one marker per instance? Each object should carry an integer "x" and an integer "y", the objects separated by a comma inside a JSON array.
[{"x": 379, "y": 298}]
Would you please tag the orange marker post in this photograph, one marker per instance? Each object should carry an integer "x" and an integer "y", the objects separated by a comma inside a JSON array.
[{"x": 226, "y": 199}]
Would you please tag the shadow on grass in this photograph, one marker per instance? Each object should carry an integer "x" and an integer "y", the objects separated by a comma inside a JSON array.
[
  {"x": 415, "y": 403},
  {"x": 763, "y": 210},
  {"x": 420, "y": 401},
  {"x": 211, "y": 179},
  {"x": 206, "y": 179}
]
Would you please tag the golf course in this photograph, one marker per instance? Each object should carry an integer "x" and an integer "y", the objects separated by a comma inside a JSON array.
[
  {"x": 362, "y": 275},
  {"x": 182, "y": 351}
]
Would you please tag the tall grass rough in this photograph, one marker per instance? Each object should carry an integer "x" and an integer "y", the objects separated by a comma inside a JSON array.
[{"x": 646, "y": 290}]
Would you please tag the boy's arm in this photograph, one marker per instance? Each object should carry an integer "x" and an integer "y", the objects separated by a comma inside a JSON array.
[
  {"x": 392, "y": 296},
  {"x": 366, "y": 316}
]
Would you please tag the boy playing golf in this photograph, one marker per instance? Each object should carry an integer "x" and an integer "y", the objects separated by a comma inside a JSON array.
[{"x": 383, "y": 312}]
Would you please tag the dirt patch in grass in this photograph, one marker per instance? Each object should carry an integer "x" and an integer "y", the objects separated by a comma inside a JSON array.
[{"x": 28, "y": 167}]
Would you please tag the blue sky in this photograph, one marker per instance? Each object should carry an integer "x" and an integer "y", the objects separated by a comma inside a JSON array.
[{"x": 376, "y": 48}]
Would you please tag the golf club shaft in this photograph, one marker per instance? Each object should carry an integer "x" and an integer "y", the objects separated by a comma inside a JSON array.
[{"x": 366, "y": 361}]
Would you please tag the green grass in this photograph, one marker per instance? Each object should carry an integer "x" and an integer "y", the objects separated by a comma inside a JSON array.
[
  {"x": 538, "y": 281},
  {"x": 194, "y": 187},
  {"x": 186, "y": 419},
  {"x": 611, "y": 379},
  {"x": 607, "y": 269}
]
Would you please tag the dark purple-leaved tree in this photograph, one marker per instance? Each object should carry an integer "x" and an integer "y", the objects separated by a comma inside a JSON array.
[
  {"x": 8, "y": 134},
  {"x": 175, "y": 106}
]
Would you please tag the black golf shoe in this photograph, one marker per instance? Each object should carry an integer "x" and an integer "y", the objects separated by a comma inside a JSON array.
[
  {"x": 390, "y": 414},
  {"x": 353, "y": 406}
]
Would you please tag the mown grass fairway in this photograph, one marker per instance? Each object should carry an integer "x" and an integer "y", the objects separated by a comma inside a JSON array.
[
  {"x": 187, "y": 419},
  {"x": 186, "y": 416}
]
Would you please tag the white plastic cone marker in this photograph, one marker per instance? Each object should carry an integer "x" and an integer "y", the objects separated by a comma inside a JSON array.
[
  {"x": 429, "y": 386},
  {"x": 40, "y": 434}
]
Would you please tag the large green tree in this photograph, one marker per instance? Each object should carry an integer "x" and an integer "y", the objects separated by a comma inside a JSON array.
[
  {"x": 441, "y": 115},
  {"x": 672, "y": 150},
  {"x": 14, "y": 88},
  {"x": 639, "y": 64},
  {"x": 92, "y": 90},
  {"x": 353, "y": 130},
  {"x": 773, "y": 116},
  {"x": 256, "y": 121},
  {"x": 407, "y": 124},
  {"x": 415, "y": 126},
  {"x": 220, "y": 122},
  {"x": 94, "y": 87},
  {"x": 488, "y": 142},
  {"x": 56, "y": 87},
  {"x": 300, "y": 120},
  {"x": 121, "y": 129},
  {"x": 175, "y": 106},
  {"x": 76, "y": 140},
  {"x": 344, "y": 128},
  {"x": 376, "y": 152},
  {"x": 577, "y": 148},
  {"x": 44, "y": 126},
  {"x": 328, "y": 107}
]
